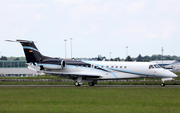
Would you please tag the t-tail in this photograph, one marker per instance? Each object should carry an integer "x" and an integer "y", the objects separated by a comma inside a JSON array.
[
  {"x": 31, "y": 51},
  {"x": 34, "y": 56}
]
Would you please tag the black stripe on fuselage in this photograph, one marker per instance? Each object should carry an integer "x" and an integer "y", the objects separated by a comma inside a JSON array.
[
  {"x": 80, "y": 63},
  {"x": 77, "y": 63}
]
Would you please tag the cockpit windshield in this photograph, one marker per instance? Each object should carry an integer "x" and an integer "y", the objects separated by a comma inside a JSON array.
[
  {"x": 157, "y": 66},
  {"x": 154, "y": 66}
]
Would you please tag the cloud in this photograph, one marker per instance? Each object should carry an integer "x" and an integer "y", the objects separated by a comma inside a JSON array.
[
  {"x": 92, "y": 30},
  {"x": 136, "y": 6},
  {"x": 69, "y": 1},
  {"x": 37, "y": 17},
  {"x": 151, "y": 35},
  {"x": 167, "y": 30},
  {"x": 163, "y": 30},
  {"x": 27, "y": 5}
]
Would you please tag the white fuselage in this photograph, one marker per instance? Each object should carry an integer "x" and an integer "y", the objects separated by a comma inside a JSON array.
[{"x": 118, "y": 70}]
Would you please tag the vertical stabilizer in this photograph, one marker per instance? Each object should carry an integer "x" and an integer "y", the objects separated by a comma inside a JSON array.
[{"x": 30, "y": 50}]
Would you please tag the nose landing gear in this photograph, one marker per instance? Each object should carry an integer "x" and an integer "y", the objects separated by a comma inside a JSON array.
[{"x": 162, "y": 84}]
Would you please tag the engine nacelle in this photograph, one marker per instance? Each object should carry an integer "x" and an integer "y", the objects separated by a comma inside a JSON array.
[{"x": 52, "y": 64}]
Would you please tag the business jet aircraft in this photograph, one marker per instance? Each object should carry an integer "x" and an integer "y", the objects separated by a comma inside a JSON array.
[{"x": 92, "y": 71}]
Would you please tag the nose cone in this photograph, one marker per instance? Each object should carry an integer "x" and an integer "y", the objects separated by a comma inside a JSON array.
[
  {"x": 173, "y": 75},
  {"x": 170, "y": 74}
]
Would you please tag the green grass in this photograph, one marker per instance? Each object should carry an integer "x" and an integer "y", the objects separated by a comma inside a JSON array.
[
  {"x": 99, "y": 83},
  {"x": 136, "y": 82},
  {"x": 55, "y": 77},
  {"x": 89, "y": 100},
  {"x": 178, "y": 74},
  {"x": 35, "y": 77},
  {"x": 37, "y": 83}
]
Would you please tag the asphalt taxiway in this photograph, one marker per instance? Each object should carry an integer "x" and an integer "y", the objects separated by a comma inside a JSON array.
[{"x": 88, "y": 86}]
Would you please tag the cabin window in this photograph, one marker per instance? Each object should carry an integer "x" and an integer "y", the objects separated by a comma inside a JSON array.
[
  {"x": 107, "y": 66},
  {"x": 120, "y": 66},
  {"x": 125, "y": 66},
  {"x": 116, "y": 66},
  {"x": 102, "y": 66},
  {"x": 111, "y": 66}
]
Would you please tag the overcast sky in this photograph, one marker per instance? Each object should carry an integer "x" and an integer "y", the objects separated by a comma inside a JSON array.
[{"x": 97, "y": 27}]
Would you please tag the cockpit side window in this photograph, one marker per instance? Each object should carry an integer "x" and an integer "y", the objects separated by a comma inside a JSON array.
[{"x": 151, "y": 67}]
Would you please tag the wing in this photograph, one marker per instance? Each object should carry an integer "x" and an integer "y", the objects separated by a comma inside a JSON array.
[{"x": 73, "y": 75}]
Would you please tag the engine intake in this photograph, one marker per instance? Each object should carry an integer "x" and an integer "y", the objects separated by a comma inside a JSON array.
[{"x": 63, "y": 63}]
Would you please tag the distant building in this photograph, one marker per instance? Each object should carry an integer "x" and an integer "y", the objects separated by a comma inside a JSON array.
[
  {"x": 164, "y": 63},
  {"x": 15, "y": 68}
]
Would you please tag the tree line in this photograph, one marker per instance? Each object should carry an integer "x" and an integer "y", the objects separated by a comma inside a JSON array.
[
  {"x": 141, "y": 58},
  {"x": 12, "y": 58}
]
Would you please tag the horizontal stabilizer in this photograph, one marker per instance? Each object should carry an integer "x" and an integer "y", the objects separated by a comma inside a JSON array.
[
  {"x": 11, "y": 40},
  {"x": 21, "y": 41}
]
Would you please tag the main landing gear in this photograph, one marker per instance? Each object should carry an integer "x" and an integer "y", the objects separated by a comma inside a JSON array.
[
  {"x": 92, "y": 83},
  {"x": 78, "y": 82}
]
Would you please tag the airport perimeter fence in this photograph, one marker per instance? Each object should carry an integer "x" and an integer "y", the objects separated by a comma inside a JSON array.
[{"x": 68, "y": 80}]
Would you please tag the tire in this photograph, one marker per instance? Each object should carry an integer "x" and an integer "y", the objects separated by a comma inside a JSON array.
[
  {"x": 162, "y": 84},
  {"x": 76, "y": 84},
  {"x": 91, "y": 83}
]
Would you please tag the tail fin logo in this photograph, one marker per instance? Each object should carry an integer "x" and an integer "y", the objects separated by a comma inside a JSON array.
[{"x": 30, "y": 51}]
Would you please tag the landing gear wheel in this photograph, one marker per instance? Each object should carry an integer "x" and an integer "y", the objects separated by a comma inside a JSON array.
[
  {"x": 162, "y": 84},
  {"x": 77, "y": 84},
  {"x": 91, "y": 83}
]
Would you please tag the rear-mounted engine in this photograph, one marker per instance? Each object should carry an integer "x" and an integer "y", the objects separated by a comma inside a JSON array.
[{"x": 52, "y": 64}]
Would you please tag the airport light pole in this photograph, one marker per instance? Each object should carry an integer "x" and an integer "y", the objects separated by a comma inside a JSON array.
[
  {"x": 65, "y": 47},
  {"x": 162, "y": 54},
  {"x": 126, "y": 51},
  {"x": 110, "y": 56},
  {"x": 71, "y": 48}
]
